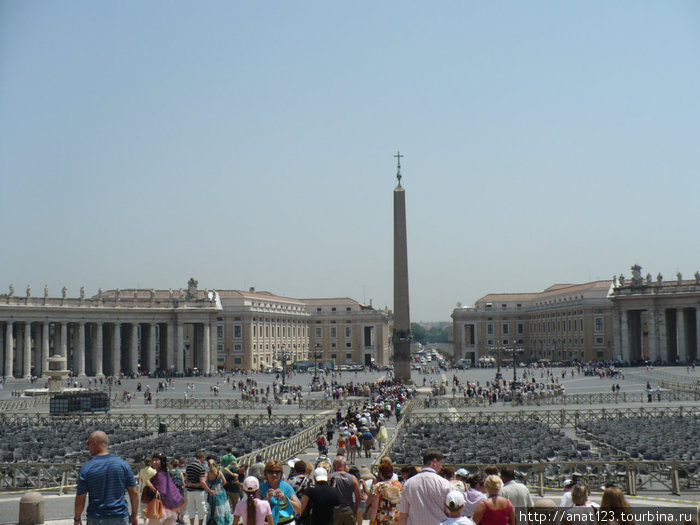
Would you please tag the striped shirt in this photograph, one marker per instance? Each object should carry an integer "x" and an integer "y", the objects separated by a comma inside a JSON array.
[
  {"x": 105, "y": 478},
  {"x": 193, "y": 475}
]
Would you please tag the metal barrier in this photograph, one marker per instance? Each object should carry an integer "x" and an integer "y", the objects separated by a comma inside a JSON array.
[
  {"x": 682, "y": 387},
  {"x": 557, "y": 418},
  {"x": 16, "y": 404},
  {"x": 674, "y": 477},
  {"x": 151, "y": 422},
  {"x": 602, "y": 398},
  {"x": 288, "y": 448},
  {"x": 209, "y": 404},
  {"x": 331, "y": 404}
]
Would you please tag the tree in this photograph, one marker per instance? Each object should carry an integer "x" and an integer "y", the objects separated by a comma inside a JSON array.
[
  {"x": 437, "y": 335},
  {"x": 420, "y": 334}
]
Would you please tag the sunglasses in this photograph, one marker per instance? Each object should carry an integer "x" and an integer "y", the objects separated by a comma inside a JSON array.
[{"x": 279, "y": 472}]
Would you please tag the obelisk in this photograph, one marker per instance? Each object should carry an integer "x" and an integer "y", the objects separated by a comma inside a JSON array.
[{"x": 402, "y": 319}]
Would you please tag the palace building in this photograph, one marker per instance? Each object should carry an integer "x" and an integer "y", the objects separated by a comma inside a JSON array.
[
  {"x": 139, "y": 330},
  {"x": 631, "y": 320}
]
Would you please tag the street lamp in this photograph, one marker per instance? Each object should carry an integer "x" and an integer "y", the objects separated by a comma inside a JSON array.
[
  {"x": 317, "y": 354},
  {"x": 498, "y": 350}
]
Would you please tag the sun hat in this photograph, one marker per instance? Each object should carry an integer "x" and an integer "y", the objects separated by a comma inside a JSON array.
[
  {"x": 320, "y": 474},
  {"x": 462, "y": 472},
  {"x": 251, "y": 484},
  {"x": 454, "y": 499}
]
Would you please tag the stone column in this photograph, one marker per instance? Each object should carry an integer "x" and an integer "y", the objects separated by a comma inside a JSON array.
[
  {"x": 99, "y": 350},
  {"x": 682, "y": 351},
  {"x": 663, "y": 344},
  {"x": 117, "y": 349},
  {"x": 64, "y": 340},
  {"x": 134, "y": 354},
  {"x": 8, "y": 349},
  {"x": 152, "y": 348},
  {"x": 625, "y": 336},
  {"x": 45, "y": 345},
  {"x": 652, "y": 339},
  {"x": 169, "y": 348},
  {"x": 214, "y": 344},
  {"x": 180, "y": 348},
  {"x": 80, "y": 352},
  {"x": 27, "y": 359},
  {"x": 206, "y": 348},
  {"x": 36, "y": 354}
]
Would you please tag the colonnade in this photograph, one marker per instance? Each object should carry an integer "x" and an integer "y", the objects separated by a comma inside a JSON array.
[
  {"x": 105, "y": 347},
  {"x": 657, "y": 334}
]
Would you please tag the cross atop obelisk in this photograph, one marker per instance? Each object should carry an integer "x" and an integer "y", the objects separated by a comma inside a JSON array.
[
  {"x": 398, "y": 166},
  {"x": 401, "y": 337}
]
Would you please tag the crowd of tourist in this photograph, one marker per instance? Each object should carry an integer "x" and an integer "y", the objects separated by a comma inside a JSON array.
[{"x": 331, "y": 491}]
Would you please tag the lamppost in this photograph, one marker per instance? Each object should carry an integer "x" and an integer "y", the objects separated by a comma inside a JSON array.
[
  {"x": 317, "y": 354},
  {"x": 498, "y": 350},
  {"x": 283, "y": 355}
]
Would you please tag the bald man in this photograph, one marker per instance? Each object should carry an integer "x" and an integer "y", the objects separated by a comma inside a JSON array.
[{"x": 105, "y": 478}]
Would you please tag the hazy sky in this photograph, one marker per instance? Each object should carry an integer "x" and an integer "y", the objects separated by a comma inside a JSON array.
[{"x": 251, "y": 144}]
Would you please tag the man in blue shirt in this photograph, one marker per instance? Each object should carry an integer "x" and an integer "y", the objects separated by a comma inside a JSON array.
[{"x": 105, "y": 477}]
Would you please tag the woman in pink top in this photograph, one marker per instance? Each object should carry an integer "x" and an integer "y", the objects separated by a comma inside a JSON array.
[
  {"x": 252, "y": 510},
  {"x": 494, "y": 510}
]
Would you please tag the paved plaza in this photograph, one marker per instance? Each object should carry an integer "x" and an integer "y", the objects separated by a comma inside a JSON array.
[{"x": 60, "y": 508}]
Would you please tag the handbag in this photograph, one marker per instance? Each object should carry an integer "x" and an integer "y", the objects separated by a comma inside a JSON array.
[
  {"x": 147, "y": 494},
  {"x": 154, "y": 509}
]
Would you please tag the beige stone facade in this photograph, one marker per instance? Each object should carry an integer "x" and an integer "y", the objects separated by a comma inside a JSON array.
[
  {"x": 562, "y": 323},
  {"x": 349, "y": 332},
  {"x": 256, "y": 328},
  {"x": 138, "y": 330}
]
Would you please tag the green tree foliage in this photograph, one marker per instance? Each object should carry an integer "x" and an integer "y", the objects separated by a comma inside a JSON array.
[
  {"x": 437, "y": 335},
  {"x": 420, "y": 334}
]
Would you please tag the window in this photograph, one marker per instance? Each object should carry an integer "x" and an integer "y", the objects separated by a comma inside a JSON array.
[
  {"x": 521, "y": 328},
  {"x": 237, "y": 331},
  {"x": 599, "y": 353},
  {"x": 348, "y": 332},
  {"x": 220, "y": 348},
  {"x": 334, "y": 332},
  {"x": 334, "y": 345},
  {"x": 348, "y": 356},
  {"x": 219, "y": 332},
  {"x": 489, "y": 342},
  {"x": 237, "y": 348},
  {"x": 598, "y": 324},
  {"x": 333, "y": 309},
  {"x": 600, "y": 340},
  {"x": 505, "y": 328},
  {"x": 348, "y": 345},
  {"x": 318, "y": 309},
  {"x": 237, "y": 361},
  {"x": 506, "y": 342},
  {"x": 489, "y": 329},
  {"x": 319, "y": 332},
  {"x": 348, "y": 309}
]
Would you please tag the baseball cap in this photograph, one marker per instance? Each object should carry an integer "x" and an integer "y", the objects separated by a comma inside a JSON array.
[
  {"x": 454, "y": 499},
  {"x": 462, "y": 472},
  {"x": 321, "y": 474},
  {"x": 568, "y": 483},
  {"x": 251, "y": 484}
]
